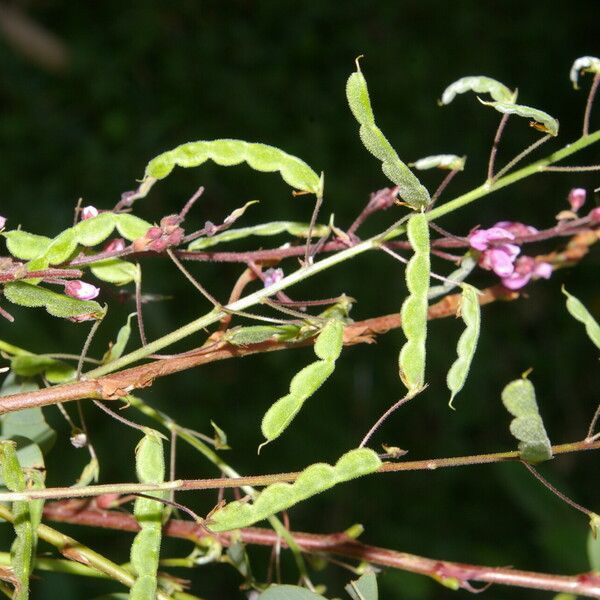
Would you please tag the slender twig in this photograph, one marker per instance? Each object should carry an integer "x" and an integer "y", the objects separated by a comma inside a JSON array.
[
  {"x": 519, "y": 157},
  {"x": 555, "y": 491},
  {"x": 592, "y": 427},
  {"x": 138, "y": 308},
  {"x": 494, "y": 150},
  {"x": 193, "y": 280},
  {"x": 341, "y": 545},
  {"x": 311, "y": 226},
  {"x": 118, "y": 417},
  {"x": 589, "y": 104},
  {"x": 6, "y": 315},
  {"x": 384, "y": 416},
  {"x": 86, "y": 347},
  {"x": 443, "y": 185},
  {"x": 46, "y": 274},
  {"x": 264, "y": 480}
]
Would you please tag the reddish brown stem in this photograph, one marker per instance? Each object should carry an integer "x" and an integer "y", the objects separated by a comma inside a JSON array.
[{"x": 339, "y": 544}]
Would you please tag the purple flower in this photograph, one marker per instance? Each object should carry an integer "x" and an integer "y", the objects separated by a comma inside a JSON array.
[
  {"x": 576, "y": 198},
  {"x": 272, "y": 276},
  {"x": 480, "y": 238},
  {"x": 516, "y": 228},
  {"x": 88, "y": 212},
  {"x": 2, "y": 222},
  {"x": 500, "y": 260},
  {"x": 81, "y": 290},
  {"x": 524, "y": 269}
]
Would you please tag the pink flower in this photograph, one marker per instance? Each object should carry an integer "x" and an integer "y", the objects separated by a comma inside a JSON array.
[
  {"x": 595, "y": 215},
  {"x": 525, "y": 269},
  {"x": 81, "y": 290},
  {"x": 480, "y": 238},
  {"x": 115, "y": 245},
  {"x": 2, "y": 222},
  {"x": 272, "y": 276},
  {"x": 87, "y": 212},
  {"x": 500, "y": 260},
  {"x": 576, "y": 198}
]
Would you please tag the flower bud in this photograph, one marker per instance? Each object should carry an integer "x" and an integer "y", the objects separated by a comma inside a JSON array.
[
  {"x": 88, "y": 212},
  {"x": 576, "y": 198},
  {"x": 81, "y": 290},
  {"x": 115, "y": 245},
  {"x": 595, "y": 215},
  {"x": 272, "y": 276},
  {"x": 2, "y": 222}
]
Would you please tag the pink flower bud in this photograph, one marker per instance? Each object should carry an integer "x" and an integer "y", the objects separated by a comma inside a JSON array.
[
  {"x": 516, "y": 228},
  {"x": 87, "y": 212},
  {"x": 175, "y": 237},
  {"x": 159, "y": 245},
  {"x": 115, "y": 245},
  {"x": 2, "y": 222},
  {"x": 81, "y": 290},
  {"x": 106, "y": 501},
  {"x": 595, "y": 215},
  {"x": 170, "y": 221},
  {"x": 576, "y": 198},
  {"x": 542, "y": 270},
  {"x": 153, "y": 233},
  {"x": 272, "y": 276}
]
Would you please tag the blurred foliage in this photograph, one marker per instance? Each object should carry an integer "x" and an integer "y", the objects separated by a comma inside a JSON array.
[{"x": 142, "y": 77}]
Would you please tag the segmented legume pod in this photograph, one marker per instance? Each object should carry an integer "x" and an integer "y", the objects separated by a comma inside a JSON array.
[{"x": 413, "y": 315}]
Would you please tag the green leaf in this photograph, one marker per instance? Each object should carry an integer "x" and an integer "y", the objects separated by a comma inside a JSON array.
[
  {"x": 411, "y": 191},
  {"x": 480, "y": 85},
  {"x": 29, "y": 425},
  {"x": 58, "y": 305},
  {"x": 227, "y": 152},
  {"x": 467, "y": 344},
  {"x": 25, "y": 246},
  {"x": 450, "y": 162},
  {"x": 116, "y": 350},
  {"x": 540, "y": 120},
  {"x": 131, "y": 227},
  {"x": 280, "y": 496},
  {"x": 55, "y": 371},
  {"x": 265, "y": 229},
  {"x": 519, "y": 399},
  {"x": 115, "y": 271},
  {"x": 364, "y": 588},
  {"x": 289, "y": 592},
  {"x": 584, "y": 64},
  {"x": 582, "y": 314}
]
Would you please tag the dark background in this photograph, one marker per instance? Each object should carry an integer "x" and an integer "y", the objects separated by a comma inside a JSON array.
[{"x": 141, "y": 78}]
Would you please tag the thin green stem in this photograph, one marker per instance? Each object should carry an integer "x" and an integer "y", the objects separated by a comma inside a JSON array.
[{"x": 309, "y": 270}]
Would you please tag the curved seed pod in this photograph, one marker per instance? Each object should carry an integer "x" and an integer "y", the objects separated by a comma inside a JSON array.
[
  {"x": 264, "y": 229},
  {"x": 584, "y": 64},
  {"x": 304, "y": 384},
  {"x": 413, "y": 315},
  {"x": 226, "y": 152},
  {"x": 467, "y": 264},
  {"x": 58, "y": 305},
  {"x": 451, "y": 162},
  {"x": 480, "y": 85},
  {"x": 281, "y": 496},
  {"x": 145, "y": 550},
  {"x": 470, "y": 312},
  {"x": 519, "y": 399},
  {"x": 26, "y": 519},
  {"x": 581, "y": 313},
  {"x": 411, "y": 190},
  {"x": 540, "y": 120},
  {"x": 255, "y": 334}
]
